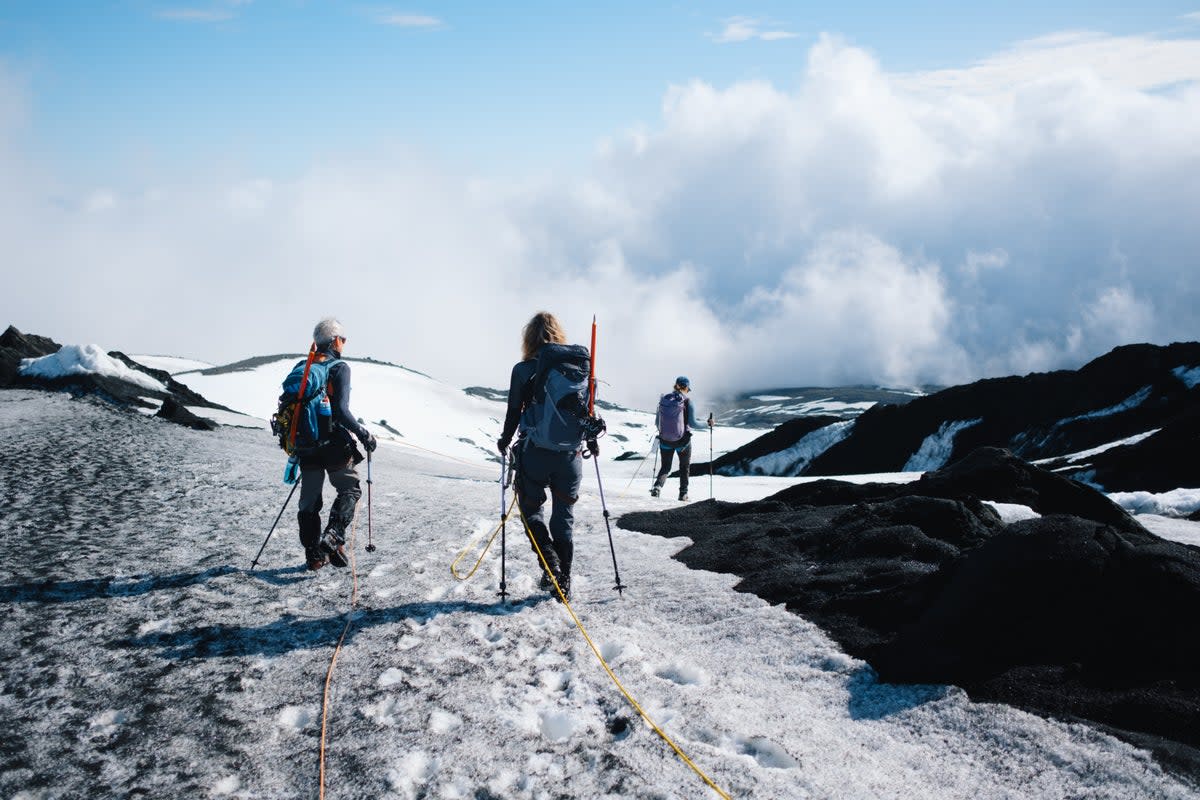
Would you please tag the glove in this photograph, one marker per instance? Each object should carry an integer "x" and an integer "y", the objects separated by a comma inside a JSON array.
[
  {"x": 370, "y": 442},
  {"x": 502, "y": 444},
  {"x": 593, "y": 447}
]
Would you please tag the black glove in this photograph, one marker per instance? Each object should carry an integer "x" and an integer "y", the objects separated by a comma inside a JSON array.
[
  {"x": 370, "y": 442},
  {"x": 593, "y": 447},
  {"x": 502, "y": 444}
]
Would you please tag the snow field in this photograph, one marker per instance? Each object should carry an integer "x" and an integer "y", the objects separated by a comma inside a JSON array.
[{"x": 142, "y": 658}]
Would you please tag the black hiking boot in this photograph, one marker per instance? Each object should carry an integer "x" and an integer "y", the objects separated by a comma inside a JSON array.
[
  {"x": 331, "y": 545},
  {"x": 654, "y": 491},
  {"x": 314, "y": 559},
  {"x": 683, "y": 496},
  {"x": 564, "y": 584},
  {"x": 544, "y": 584}
]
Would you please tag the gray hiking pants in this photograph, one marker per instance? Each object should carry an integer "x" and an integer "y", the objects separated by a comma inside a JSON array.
[
  {"x": 312, "y": 482},
  {"x": 562, "y": 473},
  {"x": 668, "y": 450}
]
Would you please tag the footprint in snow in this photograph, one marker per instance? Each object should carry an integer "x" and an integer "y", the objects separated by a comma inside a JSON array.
[
  {"x": 682, "y": 674},
  {"x": 391, "y": 677},
  {"x": 766, "y": 753},
  {"x": 558, "y": 726},
  {"x": 444, "y": 722},
  {"x": 412, "y": 774},
  {"x": 386, "y": 712},
  {"x": 556, "y": 681},
  {"x": 296, "y": 718}
]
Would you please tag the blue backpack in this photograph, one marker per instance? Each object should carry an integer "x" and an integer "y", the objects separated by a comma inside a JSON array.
[
  {"x": 557, "y": 402},
  {"x": 672, "y": 412},
  {"x": 310, "y": 414}
]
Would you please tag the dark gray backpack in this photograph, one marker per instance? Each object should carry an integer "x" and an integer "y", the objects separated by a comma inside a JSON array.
[{"x": 558, "y": 397}]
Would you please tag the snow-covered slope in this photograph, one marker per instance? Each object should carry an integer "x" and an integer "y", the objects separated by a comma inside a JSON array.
[
  {"x": 143, "y": 659},
  {"x": 408, "y": 408}
]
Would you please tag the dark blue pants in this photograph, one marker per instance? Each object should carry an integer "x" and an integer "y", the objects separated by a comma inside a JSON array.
[{"x": 561, "y": 473}]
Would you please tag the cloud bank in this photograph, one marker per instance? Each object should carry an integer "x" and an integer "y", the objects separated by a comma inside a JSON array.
[{"x": 864, "y": 227}]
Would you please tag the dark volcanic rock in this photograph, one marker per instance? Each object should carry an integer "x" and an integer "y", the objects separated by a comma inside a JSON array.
[
  {"x": 988, "y": 473},
  {"x": 1081, "y": 613},
  {"x": 1165, "y": 461},
  {"x": 177, "y": 413},
  {"x": 1042, "y": 415},
  {"x": 15, "y": 346}
]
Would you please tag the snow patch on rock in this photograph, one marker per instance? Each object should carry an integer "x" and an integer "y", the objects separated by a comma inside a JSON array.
[
  {"x": 935, "y": 451},
  {"x": 1189, "y": 375},
  {"x": 792, "y": 460},
  {"x": 86, "y": 359},
  {"x": 1175, "y": 503}
]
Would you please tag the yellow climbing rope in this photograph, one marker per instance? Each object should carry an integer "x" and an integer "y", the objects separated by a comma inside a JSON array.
[
  {"x": 495, "y": 532},
  {"x": 637, "y": 707},
  {"x": 336, "y": 651}
]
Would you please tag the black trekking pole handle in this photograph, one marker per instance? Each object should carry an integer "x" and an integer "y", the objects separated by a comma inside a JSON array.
[{"x": 254, "y": 563}]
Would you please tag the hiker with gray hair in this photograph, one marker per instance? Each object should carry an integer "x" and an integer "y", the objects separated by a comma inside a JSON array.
[
  {"x": 675, "y": 421},
  {"x": 334, "y": 454}
]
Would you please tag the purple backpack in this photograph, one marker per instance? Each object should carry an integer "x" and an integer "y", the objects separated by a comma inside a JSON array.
[{"x": 672, "y": 411}]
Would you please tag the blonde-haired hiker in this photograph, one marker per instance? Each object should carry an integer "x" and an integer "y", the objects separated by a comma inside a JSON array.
[{"x": 547, "y": 403}]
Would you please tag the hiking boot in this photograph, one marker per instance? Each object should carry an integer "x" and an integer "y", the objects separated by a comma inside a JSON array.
[
  {"x": 544, "y": 584},
  {"x": 314, "y": 559},
  {"x": 654, "y": 491},
  {"x": 564, "y": 583},
  {"x": 331, "y": 545},
  {"x": 683, "y": 496}
]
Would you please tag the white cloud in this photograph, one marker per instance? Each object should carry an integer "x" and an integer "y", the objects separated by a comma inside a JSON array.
[
  {"x": 1191, "y": 17},
  {"x": 863, "y": 227},
  {"x": 744, "y": 29},
  {"x": 1131, "y": 62},
  {"x": 410, "y": 20}
]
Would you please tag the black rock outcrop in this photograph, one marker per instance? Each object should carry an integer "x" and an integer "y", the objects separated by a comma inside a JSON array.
[
  {"x": 1080, "y": 613},
  {"x": 171, "y": 399},
  {"x": 1125, "y": 393}
]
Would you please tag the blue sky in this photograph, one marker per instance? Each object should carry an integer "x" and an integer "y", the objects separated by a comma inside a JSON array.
[
  {"x": 752, "y": 195},
  {"x": 272, "y": 85}
]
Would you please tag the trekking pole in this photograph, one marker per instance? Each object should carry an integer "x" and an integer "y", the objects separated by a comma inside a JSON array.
[
  {"x": 654, "y": 469},
  {"x": 616, "y": 572},
  {"x": 254, "y": 563},
  {"x": 710, "y": 455},
  {"x": 641, "y": 463},
  {"x": 503, "y": 518},
  {"x": 370, "y": 545}
]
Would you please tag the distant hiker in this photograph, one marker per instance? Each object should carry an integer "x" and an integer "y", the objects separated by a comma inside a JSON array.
[
  {"x": 675, "y": 420},
  {"x": 330, "y": 449},
  {"x": 547, "y": 400}
]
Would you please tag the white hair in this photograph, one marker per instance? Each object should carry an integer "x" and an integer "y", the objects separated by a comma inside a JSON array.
[{"x": 326, "y": 330}]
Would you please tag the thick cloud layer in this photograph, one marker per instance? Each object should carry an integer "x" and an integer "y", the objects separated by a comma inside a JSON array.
[{"x": 1026, "y": 213}]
